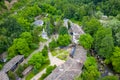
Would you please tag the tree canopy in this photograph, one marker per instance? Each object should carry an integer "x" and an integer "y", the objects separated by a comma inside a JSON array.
[{"x": 86, "y": 41}]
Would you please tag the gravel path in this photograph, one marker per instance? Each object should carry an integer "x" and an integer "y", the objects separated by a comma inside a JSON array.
[{"x": 53, "y": 61}]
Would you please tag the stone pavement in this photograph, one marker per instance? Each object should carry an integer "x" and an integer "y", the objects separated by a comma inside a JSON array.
[{"x": 71, "y": 68}]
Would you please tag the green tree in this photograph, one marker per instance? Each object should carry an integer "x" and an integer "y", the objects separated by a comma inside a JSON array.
[
  {"x": 1, "y": 66},
  {"x": 3, "y": 43},
  {"x": 90, "y": 70},
  {"x": 11, "y": 75},
  {"x": 45, "y": 51},
  {"x": 37, "y": 60},
  {"x": 91, "y": 26},
  {"x": 52, "y": 45},
  {"x": 69, "y": 11},
  {"x": 86, "y": 41},
  {"x": 115, "y": 26},
  {"x": 27, "y": 36},
  {"x": 103, "y": 42},
  {"x": 63, "y": 30},
  {"x": 20, "y": 46},
  {"x": 115, "y": 58},
  {"x": 64, "y": 40},
  {"x": 110, "y": 78}
]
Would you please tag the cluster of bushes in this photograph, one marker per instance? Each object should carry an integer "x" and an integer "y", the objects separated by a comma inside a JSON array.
[
  {"x": 90, "y": 70},
  {"x": 21, "y": 45},
  {"x": 49, "y": 70},
  {"x": 38, "y": 59},
  {"x": 20, "y": 69}
]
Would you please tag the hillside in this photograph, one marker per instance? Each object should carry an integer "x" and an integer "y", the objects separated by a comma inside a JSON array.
[{"x": 40, "y": 29}]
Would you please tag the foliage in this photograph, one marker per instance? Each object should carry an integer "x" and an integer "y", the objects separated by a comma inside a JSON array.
[
  {"x": 1, "y": 66},
  {"x": 45, "y": 51},
  {"x": 20, "y": 46},
  {"x": 3, "y": 43},
  {"x": 114, "y": 24},
  {"x": 110, "y": 78},
  {"x": 64, "y": 40},
  {"x": 115, "y": 58},
  {"x": 52, "y": 45},
  {"x": 20, "y": 70},
  {"x": 69, "y": 11},
  {"x": 37, "y": 60},
  {"x": 91, "y": 26},
  {"x": 48, "y": 71},
  {"x": 60, "y": 53},
  {"x": 111, "y": 7},
  {"x": 11, "y": 75},
  {"x": 63, "y": 31},
  {"x": 86, "y": 41},
  {"x": 27, "y": 36},
  {"x": 103, "y": 42},
  {"x": 90, "y": 70}
]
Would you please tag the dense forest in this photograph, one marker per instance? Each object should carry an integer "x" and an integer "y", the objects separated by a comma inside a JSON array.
[{"x": 100, "y": 19}]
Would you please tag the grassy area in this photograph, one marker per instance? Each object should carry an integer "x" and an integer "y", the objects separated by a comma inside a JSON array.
[
  {"x": 62, "y": 54},
  {"x": 41, "y": 39},
  {"x": 32, "y": 74},
  {"x": 49, "y": 70}
]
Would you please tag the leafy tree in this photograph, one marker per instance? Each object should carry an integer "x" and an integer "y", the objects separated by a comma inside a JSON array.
[
  {"x": 0, "y": 66},
  {"x": 20, "y": 46},
  {"x": 92, "y": 26},
  {"x": 27, "y": 36},
  {"x": 45, "y": 51},
  {"x": 69, "y": 11},
  {"x": 37, "y": 60},
  {"x": 90, "y": 70},
  {"x": 115, "y": 58},
  {"x": 103, "y": 42},
  {"x": 64, "y": 40},
  {"x": 80, "y": 13},
  {"x": 11, "y": 75},
  {"x": 110, "y": 78},
  {"x": 99, "y": 14},
  {"x": 63, "y": 30},
  {"x": 19, "y": 71},
  {"x": 52, "y": 45},
  {"x": 86, "y": 41},
  {"x": 111, "y": 7},
  {"x": 48, "y": 71},
  {"x": 3, "y": 43},
  {"x": 115, "y": 26}
]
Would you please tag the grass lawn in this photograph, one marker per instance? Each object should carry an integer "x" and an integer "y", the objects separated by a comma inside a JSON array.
[
  {"x": 32, "y": 74},
  {"x": 61, "y": 54}
]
